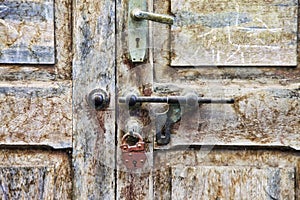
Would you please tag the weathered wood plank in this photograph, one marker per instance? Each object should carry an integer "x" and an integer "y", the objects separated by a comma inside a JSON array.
[
  {"x": 27, "y": 32},
  {"x": 134, "y": 185},
  {"x": 27, "y": 73},
  {"x": 268, "y": 97},
  {"x": 36, "y": 113},
  {"x": 26, "y": 182},
  {"x": 63, "y": 40},
  {"x": 26, "y": 174},
  {"x": 227, "y": 33},
  {"x": 227, "y": 174},
  {"x": 214, "y": 182},
  {"x": 133, "y": 78},
  {"x": 93, "y": 131},
  {"x": 261, "y": 115},
  {"x": 62, "y": 69}
]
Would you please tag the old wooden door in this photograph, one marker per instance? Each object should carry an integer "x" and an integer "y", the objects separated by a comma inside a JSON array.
[
  {"x": 220, "y": 49},
  {"x": 241, "y": 50},
  {"x": 35, "y": 99}
]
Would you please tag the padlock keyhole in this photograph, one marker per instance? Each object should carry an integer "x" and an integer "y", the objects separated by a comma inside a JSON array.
[{"x": 134, "y": 155}]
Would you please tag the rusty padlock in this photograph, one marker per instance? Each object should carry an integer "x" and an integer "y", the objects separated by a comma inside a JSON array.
[{"x": 133, "y": 157}]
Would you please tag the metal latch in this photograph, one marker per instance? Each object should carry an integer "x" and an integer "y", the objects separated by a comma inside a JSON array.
[
  {"x": 138, "y": 28},
  {"x": 163, "y": 131},
  {"x": 189, "y": 99}
]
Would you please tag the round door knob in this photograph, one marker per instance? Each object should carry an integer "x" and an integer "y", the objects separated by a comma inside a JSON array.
[{"x": 98, "y": 99}]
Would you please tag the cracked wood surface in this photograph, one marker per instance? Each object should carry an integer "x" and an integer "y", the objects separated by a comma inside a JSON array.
[
  {"x": 36, "y": 114},
  {"x": 226, "y": 33},
  {"x": 35, "y": 100},
  {"x": 265, "y": 112},
  {"x": 232, "y": 182},
  {"x": 54, "y": 33},
  {"x": 36, "y": 110},
  {"x": 266, "y": 109},
  {"x": 226, "y": 174}
]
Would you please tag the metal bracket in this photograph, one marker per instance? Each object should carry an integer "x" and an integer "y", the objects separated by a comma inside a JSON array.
[{"x": 164, "y": 123}]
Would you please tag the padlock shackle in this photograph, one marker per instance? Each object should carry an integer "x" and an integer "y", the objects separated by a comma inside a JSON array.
[
  {"x": 139, "y": 146},
  {"x": 134, "y": 134}
]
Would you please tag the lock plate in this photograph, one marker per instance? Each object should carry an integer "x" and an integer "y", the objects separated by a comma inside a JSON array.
[
  {"x": 133, "y": 156},
  {"x": 134, "y": 160},
  {"x": 137, "y": 32}
]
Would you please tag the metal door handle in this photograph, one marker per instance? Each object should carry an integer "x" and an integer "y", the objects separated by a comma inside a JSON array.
[
  {"x": 138, "y": 14},
  {"x": 138, "y": 28}
]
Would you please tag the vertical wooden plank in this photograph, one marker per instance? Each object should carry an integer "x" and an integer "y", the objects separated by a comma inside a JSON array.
[
  {"x": 133, "y": 78},
  {"x": 36, "y": 100},
  {"x": 94, "y": 131}
]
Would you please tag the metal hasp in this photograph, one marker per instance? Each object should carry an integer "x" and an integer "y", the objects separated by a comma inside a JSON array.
[
  {"x": 163, "y": 131},
  {"x": 138, "y": 28}
]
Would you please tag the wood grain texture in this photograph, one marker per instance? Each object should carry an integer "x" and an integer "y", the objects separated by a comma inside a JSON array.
[
  {"x": 226, "y": 33},
  {"x": 266, "y": 115},
  {"x": 232, "y": 183},
  {"x": 35, "y": 174},
  {"x": 266, "y": 108},
  {"x": 226, "y": 174},
  {"x": 137, "y": 186},
  {"x": 36, "y": 114},
  {"x": 93, "y": 131},
  {"x": 61, "y": 68},
  {"x": 27, "y": 32},
  {"x": 133, "y": 78},
  {"x": 266, "y": 101}
]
